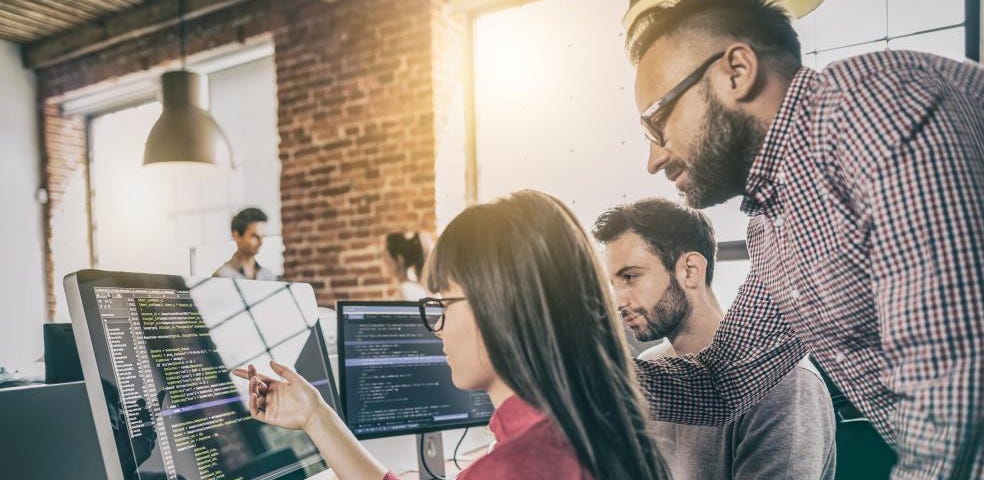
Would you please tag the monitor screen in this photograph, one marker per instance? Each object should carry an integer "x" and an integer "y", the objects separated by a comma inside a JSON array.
[
  {"x": 157, "y": 352},
  {"x": 395, "y": 379}
]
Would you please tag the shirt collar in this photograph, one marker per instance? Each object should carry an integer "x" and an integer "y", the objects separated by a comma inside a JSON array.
[
  {"x": 512, "y": 418},
  {"x": 256, "y": 266},
  {"x": 239, "y": 267},
  {"x": 764, "y": 174}
]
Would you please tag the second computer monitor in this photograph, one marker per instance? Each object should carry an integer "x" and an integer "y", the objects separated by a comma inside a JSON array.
[{"x": 395, "y": 379}]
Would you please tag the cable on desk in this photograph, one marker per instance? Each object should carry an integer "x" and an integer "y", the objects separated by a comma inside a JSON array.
[{"x": 454, "y": 457}]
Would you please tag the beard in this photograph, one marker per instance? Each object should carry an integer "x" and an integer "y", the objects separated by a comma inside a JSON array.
[
  {"x": 664, "y": 318},
  {"x": 728, "y": 141}
]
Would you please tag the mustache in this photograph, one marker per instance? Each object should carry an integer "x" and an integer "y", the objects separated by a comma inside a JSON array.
[
  {"x": 626, "y": 312},
  {"x": 673, "y": 169}
]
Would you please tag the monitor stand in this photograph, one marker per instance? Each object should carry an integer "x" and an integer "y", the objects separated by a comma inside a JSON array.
[{"x": 431, "y": 449}]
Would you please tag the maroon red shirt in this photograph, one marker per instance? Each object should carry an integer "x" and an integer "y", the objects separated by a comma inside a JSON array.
[{"x": 528, "y": 446}]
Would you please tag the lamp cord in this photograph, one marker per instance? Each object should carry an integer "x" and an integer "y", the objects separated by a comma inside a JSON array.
[{"x": 181, "y": 31}]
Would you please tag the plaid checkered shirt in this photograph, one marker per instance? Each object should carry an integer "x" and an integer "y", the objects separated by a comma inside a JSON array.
[{"x": 866, "y": 241}]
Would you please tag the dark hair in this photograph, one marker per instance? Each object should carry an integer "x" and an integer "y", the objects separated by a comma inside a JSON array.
[
  {"x": 410, "y": 250},
  {"x": 546, "y": 317},
  {"x": 670, "y": 229},
  {"x": 242, "y": 219},
  {"x": 763, "y": 24}
]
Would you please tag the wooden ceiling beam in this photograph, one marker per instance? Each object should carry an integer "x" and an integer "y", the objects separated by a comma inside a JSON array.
[
  {"x": 66, "y": 17},
  {"x": 113, "y": 4},
  {"x": 124, "y": 25},
  {"x": 30, "y": 29},
  {"x": 14, "y": 34},
  {"x": 84, "y": 8},
  {"x": 31, "y": 21}
]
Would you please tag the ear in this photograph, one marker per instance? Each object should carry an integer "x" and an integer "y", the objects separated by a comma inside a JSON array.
[
  {"x": 738, "y": 74},
  {"x": 691, "y": 270}
]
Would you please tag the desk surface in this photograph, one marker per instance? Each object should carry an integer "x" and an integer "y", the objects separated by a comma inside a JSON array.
[
  {"x": 464, "y": 459},
  {"x": 48, "y": 433},
  {"x": 42, "y": 423}
]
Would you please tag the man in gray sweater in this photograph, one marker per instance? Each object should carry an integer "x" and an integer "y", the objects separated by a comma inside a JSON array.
[{"x": 660, "y": 257}]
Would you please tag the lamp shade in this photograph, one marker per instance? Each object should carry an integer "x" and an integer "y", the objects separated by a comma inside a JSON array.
[
  {"x": 186, "y": 132},
  {"x": 799, "y": 8}
]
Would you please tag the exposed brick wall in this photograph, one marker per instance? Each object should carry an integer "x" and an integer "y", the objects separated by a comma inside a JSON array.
[
  {"x": 355, "y": 118},
  {"x": 356, "y": 140},
  {"x": 64, "y": 160}
]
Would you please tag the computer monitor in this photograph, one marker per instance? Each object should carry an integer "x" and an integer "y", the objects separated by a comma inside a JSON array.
[
  {"x": 156, "y": 354},
  {"x": 61, "y": 356},
  {"x": 394, "y": 376}
]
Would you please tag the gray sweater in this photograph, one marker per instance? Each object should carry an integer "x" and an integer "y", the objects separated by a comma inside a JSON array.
[{"x": 788, "y": 435}]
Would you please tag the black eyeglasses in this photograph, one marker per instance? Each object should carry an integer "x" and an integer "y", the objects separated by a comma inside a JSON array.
[
  {"x": 653, "y": 117},
  {"x": 432, "y": 311}
]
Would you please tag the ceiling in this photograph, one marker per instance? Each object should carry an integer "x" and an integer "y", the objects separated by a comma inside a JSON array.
[{"x": 25, "y": 21}]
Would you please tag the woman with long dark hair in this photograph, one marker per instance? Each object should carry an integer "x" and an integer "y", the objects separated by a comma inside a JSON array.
[
  {"x": 528, "y": 319},
  {"x": 404, "y": 260}
]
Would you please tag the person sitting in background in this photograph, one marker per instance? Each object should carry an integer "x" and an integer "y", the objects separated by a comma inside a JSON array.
[
  {"x": 660, "y": 258},
  {"x": 528, "y": 319},
  {"x": 247, "y": 231},
  {"x": 405, "y": 255}
]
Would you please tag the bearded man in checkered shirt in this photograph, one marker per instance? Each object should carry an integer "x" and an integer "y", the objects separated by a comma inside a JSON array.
[{"x": 864, "y": 184}]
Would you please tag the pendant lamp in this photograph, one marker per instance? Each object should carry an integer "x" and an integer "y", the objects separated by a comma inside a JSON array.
[
  {"x": 799, "y": 8},
  {"x": 186, "y": 133}
]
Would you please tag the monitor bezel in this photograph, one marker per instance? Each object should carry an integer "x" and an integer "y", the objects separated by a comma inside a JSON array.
[
  {"x": 332, "y": 381},
  {"x": 340, "y": 307},
  {"x": 80, "y": 294},
  {"x": 90, "y": 373}
]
